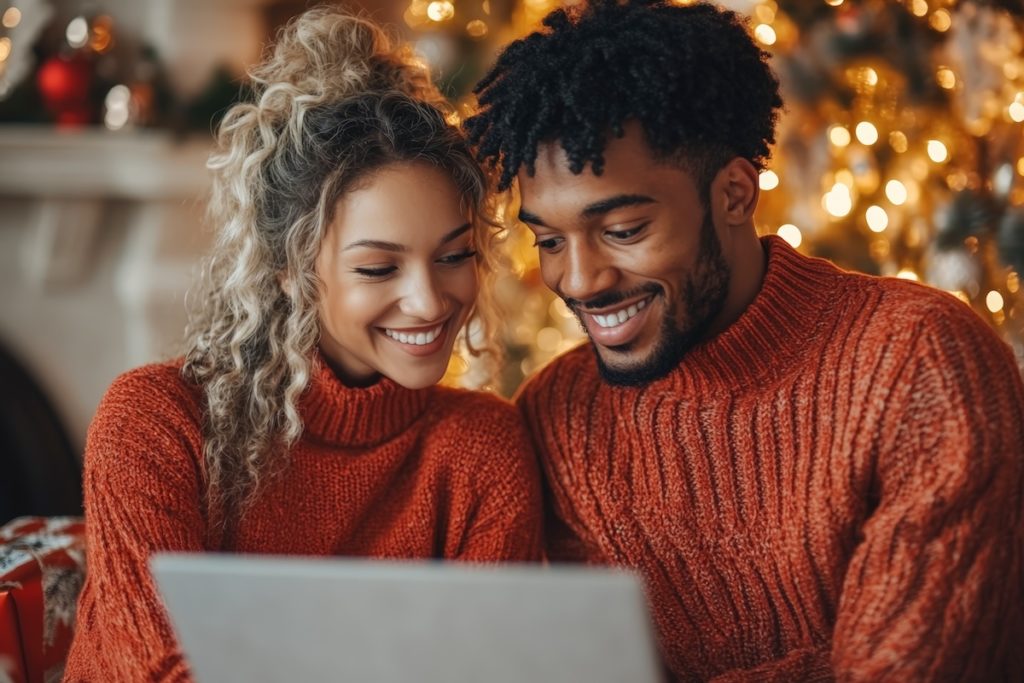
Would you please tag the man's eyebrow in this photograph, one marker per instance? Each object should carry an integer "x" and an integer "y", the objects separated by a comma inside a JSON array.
[
  {"x": 391, "y": 246},
  {"x": 527, "y": 217},
  {"x": 604, "y": 206},
  {"x": 598, "y": 208}
]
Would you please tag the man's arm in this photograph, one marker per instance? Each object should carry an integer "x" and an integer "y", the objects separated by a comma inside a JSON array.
[{"x": 934, "y": 590}]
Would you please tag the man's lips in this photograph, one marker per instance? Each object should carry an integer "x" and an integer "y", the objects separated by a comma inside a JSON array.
[{"x": 619, "y": 324}]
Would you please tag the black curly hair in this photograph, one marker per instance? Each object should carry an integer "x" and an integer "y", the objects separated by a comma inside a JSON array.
[{"x": 691, "y": 75}]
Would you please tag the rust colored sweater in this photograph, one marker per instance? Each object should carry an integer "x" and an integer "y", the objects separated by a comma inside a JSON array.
[
  {"x": 831, "y": 488},
  {"x": 382, "y": 472}
]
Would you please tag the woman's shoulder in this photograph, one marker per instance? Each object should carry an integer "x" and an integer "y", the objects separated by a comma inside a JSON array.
[{"x": 151, "y": 397}]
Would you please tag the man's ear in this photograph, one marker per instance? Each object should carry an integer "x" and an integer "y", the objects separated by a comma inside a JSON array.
[{"x": 736, "y": 191}]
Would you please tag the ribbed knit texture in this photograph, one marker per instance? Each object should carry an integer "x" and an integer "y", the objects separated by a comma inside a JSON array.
[
  {"x": 831, "y": 488},
  {"x": 382, "y": 472}
]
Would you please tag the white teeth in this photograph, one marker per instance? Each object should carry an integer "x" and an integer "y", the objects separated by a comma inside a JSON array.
[
  {"x": 416, "y": 339},
  {"x": 618, "y": 317}
]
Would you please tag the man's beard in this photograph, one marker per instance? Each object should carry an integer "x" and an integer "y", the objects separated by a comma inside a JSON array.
[{"x": 703, "y": 294}]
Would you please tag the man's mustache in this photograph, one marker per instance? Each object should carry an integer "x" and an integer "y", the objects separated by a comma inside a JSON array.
[{"x": 605, "y": 299}]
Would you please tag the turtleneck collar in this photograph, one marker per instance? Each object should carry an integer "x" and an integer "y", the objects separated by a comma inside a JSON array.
[
  {"x": 773, "y": 329},
  {"x": 348, "y": 416}
]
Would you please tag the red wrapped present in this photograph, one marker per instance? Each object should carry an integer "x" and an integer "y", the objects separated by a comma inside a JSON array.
[{"x": 42, "y": 566}]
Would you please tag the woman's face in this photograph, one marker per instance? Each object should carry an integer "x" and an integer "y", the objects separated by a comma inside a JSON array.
[{"x": 399, "y": 277}]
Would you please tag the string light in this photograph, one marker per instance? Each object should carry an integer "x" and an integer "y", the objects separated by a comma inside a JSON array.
[
  {"x": 839, "y": 136},
  {"x": 919, "y": 8},
  {"x": 5, "y": 48},
  {"x": 834, "y": 3},
  {"x": 440, "y": 10},
  {"x": 791, "y": 234},
  {"x": 898, "y": 141},
  {"x": 940, "y": 20},
  {"x": 994, "y": 301},
  {"x": 867, "y": 133},
  {"x": 946, "y": 78},
  {"x": 765, "y": 34},
  {"x": 476, "y": 29},
  {"x": 907, "y": 274},
  {"x": 1016, "y": 111},
  {"x": 11, "y": 18},
  {"x": 877, "y": 218},
  {"x": 768, "y": 180},
  {"x": 77, "y": 32},
  {"x": 896, "y": 192},
  {"x": 838, "y": 202},
  {"x": 937, "y": 151}
]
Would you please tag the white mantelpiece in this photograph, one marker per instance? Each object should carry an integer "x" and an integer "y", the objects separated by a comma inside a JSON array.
[{"x": 100, "y": 237}]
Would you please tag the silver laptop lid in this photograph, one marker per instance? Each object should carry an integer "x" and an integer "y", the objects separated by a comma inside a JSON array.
[{"x": 252, "y": 619}]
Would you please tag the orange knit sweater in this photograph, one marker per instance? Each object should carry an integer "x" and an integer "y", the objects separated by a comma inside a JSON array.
[
  {"x": 831, "y": 488},
  {"x": 382, "y": 472}
]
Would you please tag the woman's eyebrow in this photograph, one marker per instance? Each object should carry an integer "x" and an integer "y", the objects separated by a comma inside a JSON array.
[{"x": 391, "y": 246}]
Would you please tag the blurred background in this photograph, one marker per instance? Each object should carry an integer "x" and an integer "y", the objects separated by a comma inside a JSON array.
[{"x": 900, "y": 154}]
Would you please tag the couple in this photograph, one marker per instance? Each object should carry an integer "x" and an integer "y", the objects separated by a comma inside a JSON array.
[{"x": 817, "y": 473}]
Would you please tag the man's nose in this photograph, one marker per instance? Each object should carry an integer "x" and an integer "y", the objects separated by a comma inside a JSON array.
[{"x": 588, "y": 272}]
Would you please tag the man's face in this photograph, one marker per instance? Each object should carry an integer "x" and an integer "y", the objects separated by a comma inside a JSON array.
[{"x": 632, "y": 252}]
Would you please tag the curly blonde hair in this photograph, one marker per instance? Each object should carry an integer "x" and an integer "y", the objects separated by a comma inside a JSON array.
[{"x": 335, "y": 100}]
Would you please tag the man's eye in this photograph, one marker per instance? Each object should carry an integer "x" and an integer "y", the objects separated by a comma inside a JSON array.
[
  {"x": 547, "y": 243},
  {"x": 623, "y": 235},
  {"x": 457, "y": 257},
  {"x": 381, "y": 272}
]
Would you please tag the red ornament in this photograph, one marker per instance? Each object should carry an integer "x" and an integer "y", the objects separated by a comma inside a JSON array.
[{"x": 64, "y": 84}]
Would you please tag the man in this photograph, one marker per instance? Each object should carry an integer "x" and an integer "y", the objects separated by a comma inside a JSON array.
[{"x": 818, "y": 473}]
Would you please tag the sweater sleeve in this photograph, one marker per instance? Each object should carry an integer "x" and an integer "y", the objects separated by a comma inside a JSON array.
[
  {"x": 934, "y": 589},
  {"x": 142, "y": 494},
  {"x": 498, "y": 487}
]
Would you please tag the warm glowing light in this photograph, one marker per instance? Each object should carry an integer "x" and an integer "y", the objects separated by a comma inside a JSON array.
[
  {"x": 896, "y": 192},
  {"x": 1013, "y": 283},
  {"x": 937, "y": 151},
  {"x": 839, "y": 136},
  {"x": 907, "y": 274},
  {"x": 476, "y": 29},
  {"x": 440, "y": 10},
  {"x": 898, "y": 141},
  {"x": 838, "y": 201},
  {"x": 1020, "y": 165},
  {"x": 1016, "y": 111},
  {"x": 919, "y": 8},
  {"x": 940, "y": 21},
  {"x": 5, "y": 48},
  {"x": 791, "y": 234},
  {"x": 867, "y": 133},
  {"x": 768, "y": 180},
  {"x": 548, "y": 339},
  {"x": 765, "y": 34},
  {"x": 765, "y": 13},
  {"x": 878, "y": 219},
  {"x": 994, "y": 301},
  {"x": 844, "y": 176},
  {"x": 77, "y": 32},
  {"x": 870, "y": 76},
  {"x": 834, "y": 3},
  {"x": 12, "y": 17},
  {"x": 946, "y": 78},
  {"x": 117, "y": 113}
]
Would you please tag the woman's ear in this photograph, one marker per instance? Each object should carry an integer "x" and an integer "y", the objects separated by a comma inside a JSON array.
[{"x": 736, "y": 187}]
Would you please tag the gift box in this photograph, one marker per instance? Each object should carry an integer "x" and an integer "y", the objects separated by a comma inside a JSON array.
[{"x": 42, "y": 566}]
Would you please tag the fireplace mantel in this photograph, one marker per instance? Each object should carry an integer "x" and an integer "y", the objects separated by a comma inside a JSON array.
[{"x": 101, "y": 235}]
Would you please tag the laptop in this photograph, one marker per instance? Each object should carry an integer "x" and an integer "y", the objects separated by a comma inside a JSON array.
[{"x": 273, "y": 619}]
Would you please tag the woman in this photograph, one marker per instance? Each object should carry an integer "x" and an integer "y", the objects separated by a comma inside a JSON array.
[{"x": 304, "y": 417}]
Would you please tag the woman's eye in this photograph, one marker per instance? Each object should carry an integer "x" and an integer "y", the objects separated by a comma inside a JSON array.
[
  {"x": 380, "y": 272},
  {"x": 457, "y": 257},
  {"x": 547, "y": 243}
]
